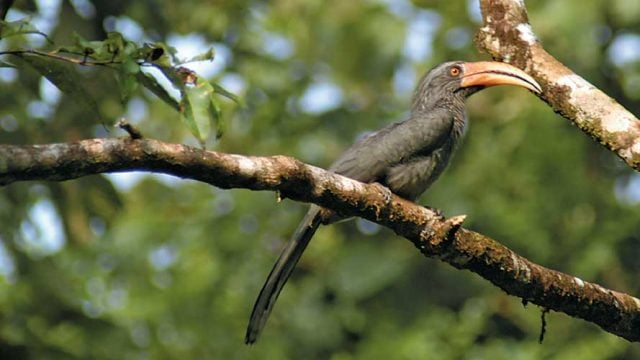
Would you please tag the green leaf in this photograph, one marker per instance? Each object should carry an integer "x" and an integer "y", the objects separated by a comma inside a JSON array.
[
  {"x": 98, "y": 50},
  {"x": 130, "y": 66},
  {"x": 216, "y": 114},
  {"x": 115, "y": 48},
  {"x": 206, "y": 56},
  {"x": 172, "y": 74},
  {"x": 115, "y": 44},
  {"x": 93, "y": 48},
  {"x": 154, "y": 86},
  {"x": 159, "y": 54},
  {"x": 23, "y": 26},
  {"x": 127, "y": 83},
  {"x": 224, "y": 92},
  {"x": 127, "y": 79},
  {"x": 196, "y": 109},
  {"x": 65, "y": 77}
]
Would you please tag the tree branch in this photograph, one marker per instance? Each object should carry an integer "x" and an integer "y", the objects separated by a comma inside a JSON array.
[
  {"x": 508, "y": 36},
  {"x": 433, "y": 235}
]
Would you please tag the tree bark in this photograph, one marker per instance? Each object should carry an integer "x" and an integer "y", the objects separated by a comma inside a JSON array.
[{"x": 507, "y": 36}]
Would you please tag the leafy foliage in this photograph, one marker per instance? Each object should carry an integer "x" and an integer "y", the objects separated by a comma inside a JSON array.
[
  {"x": 135, "y": 266},
  {"x": 196, "y": 104},
  {"x": 18, "y": 27}
]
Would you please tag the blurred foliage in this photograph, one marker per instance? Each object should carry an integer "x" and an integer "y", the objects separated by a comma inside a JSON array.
[
  {"x": 145, "y": 266},
  {"x": 195, "y": 103}
]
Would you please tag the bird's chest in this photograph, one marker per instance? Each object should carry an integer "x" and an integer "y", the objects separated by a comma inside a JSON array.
[{"x": 411, "y": 176}]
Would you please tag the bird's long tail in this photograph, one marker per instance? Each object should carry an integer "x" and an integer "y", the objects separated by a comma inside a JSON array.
[{"x": 281, "y": 272}]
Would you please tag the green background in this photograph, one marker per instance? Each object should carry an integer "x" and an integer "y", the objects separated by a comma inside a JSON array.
[{"x": 153, "y": 267}]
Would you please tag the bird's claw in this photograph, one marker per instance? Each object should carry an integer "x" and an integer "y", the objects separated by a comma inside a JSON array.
[
  {"x": 437, "y": 211},
  {"x": 386, "y": 193}
]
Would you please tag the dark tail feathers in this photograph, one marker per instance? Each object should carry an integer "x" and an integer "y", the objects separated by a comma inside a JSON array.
[{"x": 281, "y": 272}]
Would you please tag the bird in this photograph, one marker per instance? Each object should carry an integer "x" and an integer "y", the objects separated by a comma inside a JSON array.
[{"x": 405, "y": 156}]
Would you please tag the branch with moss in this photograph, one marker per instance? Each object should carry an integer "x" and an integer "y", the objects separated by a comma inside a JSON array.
[
  {"x": 508, "y": 36},
  {"x": 433, "y": 235}
]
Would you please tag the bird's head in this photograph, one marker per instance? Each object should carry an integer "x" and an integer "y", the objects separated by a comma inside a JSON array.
[{"x": 457, "y": 80}]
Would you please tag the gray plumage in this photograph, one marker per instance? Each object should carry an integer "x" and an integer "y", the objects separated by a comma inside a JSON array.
[{"x": 407, "y": 157}]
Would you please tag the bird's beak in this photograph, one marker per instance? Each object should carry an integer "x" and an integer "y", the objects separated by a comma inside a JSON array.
[{"x": 491, "y": 73}]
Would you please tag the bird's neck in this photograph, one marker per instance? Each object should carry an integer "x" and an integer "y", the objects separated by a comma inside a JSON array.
[
  {"x": 426, "y": 104},
  {"x": 456, "y": 110},
  {"x": 459, "y": 127}
]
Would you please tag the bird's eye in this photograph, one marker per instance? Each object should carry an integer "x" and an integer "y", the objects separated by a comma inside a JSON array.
[{"x": 454, "y": 71}]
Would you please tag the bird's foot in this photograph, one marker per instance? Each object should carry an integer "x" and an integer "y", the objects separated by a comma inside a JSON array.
[
  {"x": 388, "y": 195},
  {"x": 438, "y": 212}
]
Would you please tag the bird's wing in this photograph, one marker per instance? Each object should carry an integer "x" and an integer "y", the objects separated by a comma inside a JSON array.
[{"x": 369, "y": 159}]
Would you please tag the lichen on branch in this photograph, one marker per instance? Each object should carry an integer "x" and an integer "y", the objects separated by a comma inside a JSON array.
[{"x": 507, "y": 36}]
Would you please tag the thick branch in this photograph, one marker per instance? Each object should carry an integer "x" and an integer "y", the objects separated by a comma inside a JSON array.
[
  {"x": 615, "y": 312},
  {"x": 507, "y": 36}
]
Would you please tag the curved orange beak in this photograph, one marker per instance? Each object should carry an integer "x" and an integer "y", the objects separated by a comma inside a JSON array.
[{"x": 491, "y": 73}]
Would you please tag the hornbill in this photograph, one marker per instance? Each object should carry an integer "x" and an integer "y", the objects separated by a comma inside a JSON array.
[{"x": 406, "y": 156}]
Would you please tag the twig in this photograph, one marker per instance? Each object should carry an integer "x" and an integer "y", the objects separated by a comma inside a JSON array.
[
  {"x": 134, "y": 132},
  {"x": 57, "y": 56}
]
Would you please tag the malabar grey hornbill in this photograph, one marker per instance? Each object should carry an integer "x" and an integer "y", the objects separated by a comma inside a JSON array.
[{"x": 406, "y": 156}]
